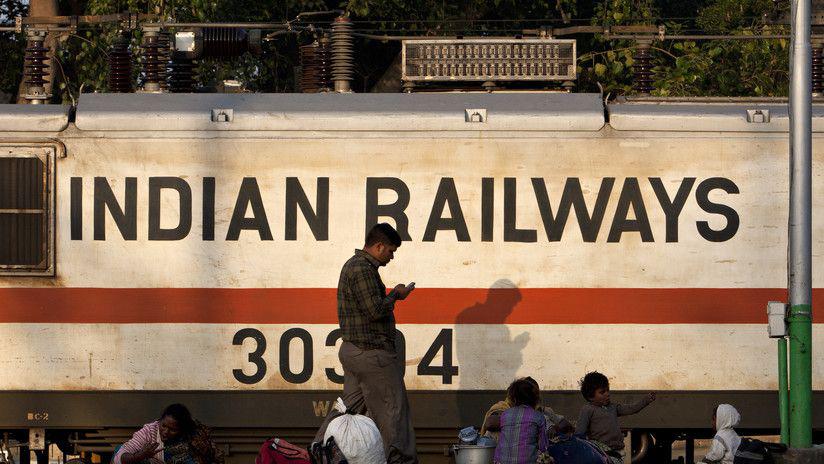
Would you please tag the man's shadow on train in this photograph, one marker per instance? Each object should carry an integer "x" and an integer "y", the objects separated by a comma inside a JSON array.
[{"x": 487, "y": 354}]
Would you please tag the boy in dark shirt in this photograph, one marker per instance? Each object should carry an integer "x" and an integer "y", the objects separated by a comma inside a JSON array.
[{"x": 599, "y": 417}]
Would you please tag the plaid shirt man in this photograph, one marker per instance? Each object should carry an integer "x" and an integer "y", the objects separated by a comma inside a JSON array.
[
  {"x": 365, "y": 311},
  {"x": 372, "y": 369}
]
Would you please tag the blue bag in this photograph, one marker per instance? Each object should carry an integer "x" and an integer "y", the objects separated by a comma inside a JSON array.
[{"x": 574, "y": 450}]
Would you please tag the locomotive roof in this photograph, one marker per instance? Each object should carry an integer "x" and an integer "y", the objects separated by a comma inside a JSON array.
[
  {"x": 500, "y": 112},
  {"x": 34, "y": 118},
  {"x": 343, "y": 112},
  {"x": 706, "y": 115}
]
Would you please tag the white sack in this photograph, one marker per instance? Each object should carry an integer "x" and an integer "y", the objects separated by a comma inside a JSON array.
[{"x": 357, "y": 436}]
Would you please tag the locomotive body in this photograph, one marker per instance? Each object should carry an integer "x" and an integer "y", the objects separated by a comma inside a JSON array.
[{"x": 187, "y": 248}]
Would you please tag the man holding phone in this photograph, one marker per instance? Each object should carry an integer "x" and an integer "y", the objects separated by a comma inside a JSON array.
[{"x": 372, "y": 369}]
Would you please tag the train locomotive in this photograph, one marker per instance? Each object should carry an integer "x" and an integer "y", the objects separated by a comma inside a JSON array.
[{"x": 159, "y": 248}]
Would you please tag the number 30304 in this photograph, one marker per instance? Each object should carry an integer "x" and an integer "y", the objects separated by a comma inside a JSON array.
[{"x": 297, "y": 372}]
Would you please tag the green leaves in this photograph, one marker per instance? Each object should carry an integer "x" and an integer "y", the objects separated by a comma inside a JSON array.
[{"x": 690, "y": 68}]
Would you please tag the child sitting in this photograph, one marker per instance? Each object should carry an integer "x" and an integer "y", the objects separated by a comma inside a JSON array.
[
  {"x": 523, "y": 428},
  {"x": 556, "y": 423},
  {"x": 726, "y": 441},
  {"x": 599, "y": 417}
]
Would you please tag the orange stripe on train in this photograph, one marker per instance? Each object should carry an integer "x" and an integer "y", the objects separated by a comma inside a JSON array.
[{"x": 425, "y": 306}]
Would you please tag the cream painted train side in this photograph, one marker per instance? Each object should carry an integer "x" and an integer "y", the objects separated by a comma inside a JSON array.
[{"x": 188, "y": 249}]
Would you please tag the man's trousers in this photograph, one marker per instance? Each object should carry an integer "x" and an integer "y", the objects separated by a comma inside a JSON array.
[{"x": 373, "y": 385}]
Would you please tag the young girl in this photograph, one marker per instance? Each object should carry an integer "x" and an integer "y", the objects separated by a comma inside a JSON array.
[
  {"x": 556, "y": 423},
  {"x": 726, "y": 440},
  {"x": 523, "y": 428}
]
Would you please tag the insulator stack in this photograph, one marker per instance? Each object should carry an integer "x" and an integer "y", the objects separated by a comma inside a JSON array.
[
  {"x": 316, "y": 73},
  {"x": 818, "y": 69},
  {"x": 120, "y": 66},
  {"x": 323, "y": 62},
  {"x": 36, "y": 68},
  {"x": 154, "y": 62},
  {"x": 642, "y": 70},
  {"x": 224, "y": 42},
  {"x": 308, "y": 78},
  {"x": 181, "y": 76},
  {"x": 342, "y": 54},
  {"x": 165, "y": 56}
]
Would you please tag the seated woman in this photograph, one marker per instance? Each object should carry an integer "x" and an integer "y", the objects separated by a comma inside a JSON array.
[
  {"x": 175, "y": 438},
  {"x": 556, "y": 423},
  {"x": 492, "y": 419}
]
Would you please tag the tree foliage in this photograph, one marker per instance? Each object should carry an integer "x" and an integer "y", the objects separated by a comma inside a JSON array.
[
  {"x": 682, "y": 68},
  {"x": 691, "y": 68},
  {"x": 11, "y": 48}
]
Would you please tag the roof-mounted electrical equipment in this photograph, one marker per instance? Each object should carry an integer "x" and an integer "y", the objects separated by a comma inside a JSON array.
[{"x": 488, "y": 60}]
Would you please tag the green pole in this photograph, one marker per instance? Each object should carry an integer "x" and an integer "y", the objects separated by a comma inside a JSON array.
[
  {"x": 783, "y": 394},
  {"x": 801, "y": 385}
]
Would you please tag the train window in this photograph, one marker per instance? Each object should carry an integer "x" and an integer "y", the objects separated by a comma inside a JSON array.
[{"x": 26, "y": 210}]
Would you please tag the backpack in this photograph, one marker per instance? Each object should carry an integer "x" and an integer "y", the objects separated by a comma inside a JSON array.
[
  {"x": 752, "y": 451},
  {"x": 277, "y": 451}
]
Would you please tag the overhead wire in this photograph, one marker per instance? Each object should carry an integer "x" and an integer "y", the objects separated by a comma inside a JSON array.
[
  {"x": 456, "y": 27},
  {"x": 548, "y": 21}
]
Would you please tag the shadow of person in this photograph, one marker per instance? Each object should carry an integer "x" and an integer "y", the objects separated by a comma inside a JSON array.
[{"x": 488, "y": 356}]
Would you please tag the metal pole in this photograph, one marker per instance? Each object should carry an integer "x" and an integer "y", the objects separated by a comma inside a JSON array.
[
  {"x": 783, "y": 393},
  {"x": 800, "y": 225}
]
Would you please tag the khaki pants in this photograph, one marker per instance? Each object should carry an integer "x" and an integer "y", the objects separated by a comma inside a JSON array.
[{"x": 373, "y": 384}]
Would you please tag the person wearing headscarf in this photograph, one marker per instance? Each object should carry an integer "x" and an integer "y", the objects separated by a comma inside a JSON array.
[{"x": 724, "y": 419}]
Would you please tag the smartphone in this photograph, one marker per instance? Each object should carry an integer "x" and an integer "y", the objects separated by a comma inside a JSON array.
[{"x": 394, "y": 293}]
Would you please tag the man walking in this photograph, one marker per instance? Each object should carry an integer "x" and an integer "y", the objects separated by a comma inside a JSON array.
[{"x": 372, "y": 369}]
